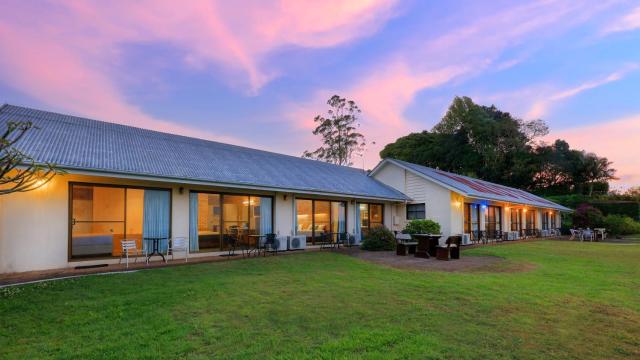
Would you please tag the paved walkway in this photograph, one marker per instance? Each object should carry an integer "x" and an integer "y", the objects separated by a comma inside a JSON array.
[
  {"x": 408, "y": 262},
  {"x": 33, "y": 276}
]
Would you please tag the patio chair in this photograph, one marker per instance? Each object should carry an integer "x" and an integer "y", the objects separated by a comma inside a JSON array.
[
  {"x": 451, "y": 249},
  {"x": 179, "y": 244},
  {"x": 270, "y": 244},
  {"x": 342, "y": 239},
  {"x": 587, "y": 234},
  {"x": 326, "y": 241},
  {"x": 404, "y": 244},
  {"x": 130, "y": 248}
]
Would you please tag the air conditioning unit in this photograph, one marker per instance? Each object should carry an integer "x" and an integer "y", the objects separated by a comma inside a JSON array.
[
  {"x": 466, "y": 239},
  {"x": 297, "y": 242},
  {"x": 283, "y": 242}
]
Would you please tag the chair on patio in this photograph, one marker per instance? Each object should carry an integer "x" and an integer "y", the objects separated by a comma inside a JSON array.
[
  {"x": 326, "y": 241},
  {"x": 179, "y": 244},
  {"x": 451, "y": 249},
  {"x": 270, "y": 244},
  {"x": 342, "y": 239},
  {"x": 130, "y": 248},
  {"x": 587, "y": 234},
  {"x": 404, "y": 244}
]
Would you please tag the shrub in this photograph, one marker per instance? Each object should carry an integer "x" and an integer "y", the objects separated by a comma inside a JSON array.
[
  {"x": 621, "y": 225},
  {"x": 379, "y": 239},
  {"x": 422, "y": 227},
  {"x": 587, "y": 216}
]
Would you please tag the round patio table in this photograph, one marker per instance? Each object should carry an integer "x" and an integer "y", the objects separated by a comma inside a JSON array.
[
  {"x": 155, "y": 247},
  {"x": 427, "y": 244}
]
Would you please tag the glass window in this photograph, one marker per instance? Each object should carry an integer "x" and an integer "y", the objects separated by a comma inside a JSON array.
[
  {"x": 317, "y": 217},
  {"x": 371, "y": 216},
  {"x": 102, "y": 216},
  {"x": 415, "y": 211},
  {"x": 516, "y": 219},
  {"x": 338, "y": 217},
  {"x": 472, "y": 220},
  {"x": 321, "y": 219},
  {"x": 209, "y": 217},
  {"x": 304, "y": 219},
  {"x": 553, "y": 220},
  {"x": 531, "y": 219},
  {"x": 545, "y": 220},
  {"x": 375, "y": 211},
  {"x": 493, "y": 221}
]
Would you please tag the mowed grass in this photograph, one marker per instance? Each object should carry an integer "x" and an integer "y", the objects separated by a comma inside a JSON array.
[{"x": 576, "y": 300}]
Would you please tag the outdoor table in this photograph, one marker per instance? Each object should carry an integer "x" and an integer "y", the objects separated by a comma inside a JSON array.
[
  {"x": 427, "y": 244},
  {"x": 155, "y": 247},
  {"x": 597, "y": 231},
  {"x": 256, "y": 237}
]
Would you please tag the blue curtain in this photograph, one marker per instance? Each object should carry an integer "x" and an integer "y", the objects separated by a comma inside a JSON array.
[
  {"x": 295, "y": 216},
  {"x": 193, "y": 222},
  {"x": 156, "y": 215},
  {"x": 265, "y": 216},
  {"x": 342, "y": 218},
  {"x": 356, "y": 230}
]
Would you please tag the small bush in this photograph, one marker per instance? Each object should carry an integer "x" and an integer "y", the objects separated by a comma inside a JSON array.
[
  {"x": 379, "y": 239},
  {"x": 422, "y": 227},
  {"x": 621, "y": 225},
  {"x": 586, "y": 216}
]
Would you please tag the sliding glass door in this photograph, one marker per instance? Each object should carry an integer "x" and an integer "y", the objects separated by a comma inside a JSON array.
[
  {"x": 216, "y": 220},
  {"x": 371, "y": 216},
  {"x": 472, "y": 221},
  {"x": 319, "y": 219},
  {"x": 101, "y": 216},
  {"x": 493, "y": 222}
]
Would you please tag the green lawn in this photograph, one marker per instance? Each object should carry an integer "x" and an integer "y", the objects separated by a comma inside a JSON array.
[{"x": 580, "y": 301}]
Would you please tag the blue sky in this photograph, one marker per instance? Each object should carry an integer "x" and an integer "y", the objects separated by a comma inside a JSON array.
[{"x": 255, "y": 73}]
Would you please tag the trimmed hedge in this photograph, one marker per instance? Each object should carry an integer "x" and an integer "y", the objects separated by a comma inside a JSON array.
[
  {"x": 422, "y": 227},
  {"x": 607, "y": 206},
  {"x": 621, "y": 225}
]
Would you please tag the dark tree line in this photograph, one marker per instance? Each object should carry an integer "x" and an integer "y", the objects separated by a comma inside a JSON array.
[{"x": 486, "y": 143}]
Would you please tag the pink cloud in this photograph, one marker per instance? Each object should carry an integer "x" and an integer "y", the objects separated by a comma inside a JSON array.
[
  {"x": 542, "y": 106},
  {"x": 617, "y": 140},
  {"x": 67, "y": 58},
  {"x": 391, "y": 86},
  {"x": 628, "y": 22}
]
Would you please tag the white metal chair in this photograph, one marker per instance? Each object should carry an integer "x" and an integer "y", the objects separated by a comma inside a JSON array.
[
  {"x": 130, "y": 248},
  {"x": 179, "y": 244},
  {"x": 587, "y": 234}
]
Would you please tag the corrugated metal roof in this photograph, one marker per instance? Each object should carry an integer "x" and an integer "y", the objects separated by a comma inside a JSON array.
[
  {"x": 79, "y": 143},
  {"x": 476, "y": 188}
]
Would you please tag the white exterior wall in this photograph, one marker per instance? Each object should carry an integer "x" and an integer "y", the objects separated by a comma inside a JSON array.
[
  {"x": 437, "y": 199},
  {"x": 34, "y": 226}
]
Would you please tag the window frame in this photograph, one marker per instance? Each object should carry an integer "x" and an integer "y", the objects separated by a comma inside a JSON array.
[
  {"x": 313, "y": 215},
  {"x": 423, "y": 211},
  {"x": 368, "y": 227},
  {"x": 221, "y": 224},
  {"x": 71, "y": 184}
]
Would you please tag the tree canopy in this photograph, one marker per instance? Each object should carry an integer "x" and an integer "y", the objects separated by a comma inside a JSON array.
[
  {"x": 487, "y": 143},
  {"x": 18, "y": 171},
  {"x": 338, "y": 131}
]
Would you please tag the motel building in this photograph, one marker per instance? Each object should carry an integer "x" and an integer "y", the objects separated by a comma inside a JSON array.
[{"x": 123, "y": 182}]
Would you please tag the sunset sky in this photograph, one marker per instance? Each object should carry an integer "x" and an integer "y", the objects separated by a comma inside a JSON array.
[{"x": 255, "y": 73}]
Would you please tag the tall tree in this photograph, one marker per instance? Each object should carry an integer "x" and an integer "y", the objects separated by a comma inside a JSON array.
[
  {"x": 340, "y": 139},
  {"x": 485, "y": 142},
  {"x": 18, "y": 171}
]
